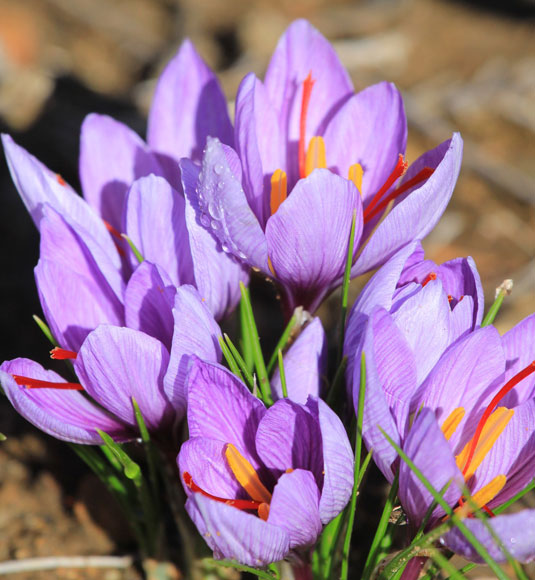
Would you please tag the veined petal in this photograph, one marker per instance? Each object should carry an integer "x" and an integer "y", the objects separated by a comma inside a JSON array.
[
  {"x": 308, "y": 236},
  {"x": 148, "y": 302},
  {"x": 64, "y": 414},
  {"x": 516, "y": 532},
  {"x": 519, "y": 350},
  {"x": 304, "y": 365},
  {"x": 237, "y": 535},
  {"x": 112, "y": 157},
  {"x": 154, "y": 220},
  {"x": 295, "y": 507},
  {"x": 195, "y": 333},
  {"x": 115, "y": 364},
  {"x": 224, "y": 208},
  {"x": 370, "y": 129},
  {"x": 220, "y": 407},
  {"x": 188, "y": 107},
  {"x": 418, "y": 211},
  {"x": 217, "y": 274}
]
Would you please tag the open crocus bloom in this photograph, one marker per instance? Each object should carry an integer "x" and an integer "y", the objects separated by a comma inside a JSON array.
[
  {"x": 134, "y": 188},
  {"x": 310, "y": 154},
  {"x": 474, "y": 424},
  {"x": 114, "y": 364},
  {"x": 260, "y": 482}
]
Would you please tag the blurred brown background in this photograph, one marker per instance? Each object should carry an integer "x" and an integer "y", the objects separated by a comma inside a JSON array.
[{"x": 467, "y": 66}]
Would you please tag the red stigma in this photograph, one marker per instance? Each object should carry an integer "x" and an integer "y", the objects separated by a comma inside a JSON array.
[
  {"x": 493, "y": 404},
  {"x": 428, "y": 278},
  {"x": 62, "y": 354},
  {"x": 116, "y": 235},
  {"x": 60, "y": 179},
  {"x": 241, "y": 504},
  {"x": 399, "y": 170},
  {"x": 450, "y": 298},
  {"x": 38, "y": 384},
  {"x": 308, "y": 83}
]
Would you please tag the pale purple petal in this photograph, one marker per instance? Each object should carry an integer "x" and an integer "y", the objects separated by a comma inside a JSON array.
[
  {"x": 428, "y": 449},
  {"x": 188, "y": 107},
  {"x": 148, "y": 302},
  {"x": 64, "y": 414},
  {"x": 237, "y": 535},
  {"x": 308, "y": 235},
  {"x": 224, "y": 208},
  {"x": 417, "y": 213},
  {"x": 258, "y": 143},
  {"x": 195, "y": 333},
  {"x": 154, "y": 220},
  {"x": 112, "y": 157},
  {"x": 304, "y": 365},
  {"x": 516, "y": 532},
  {"x": 217, "y": 274},
  {"x": 519, "y": 349},
  {"x": 220, "y": 407},
  {"x": 370, "y": 129},
  {"x": 295, "y": 507},
  {"x": 115, "y": 364}
]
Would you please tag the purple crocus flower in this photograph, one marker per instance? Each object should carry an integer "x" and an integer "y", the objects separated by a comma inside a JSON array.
[
  {"x": 260, "y": 482},
  {"x": 308, "y": 154},
  {"x": 134, "y": 188},
  {"x": 114, "y": 364},
  {"x": 474, "y": 424}
]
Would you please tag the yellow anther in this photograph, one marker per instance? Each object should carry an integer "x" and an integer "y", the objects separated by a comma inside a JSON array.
[
  {"x": 452, "y": 422},
  {"x": 486, "y": 494},
  {"x": 271, "y": 268},
  {"x": 246, "y": 475},
  {"x": 493, "y": 428},
  {"x": 315, "y": 158},
  {"x": 279, "y": 187},
  {"x": 263, "y": 511},
  {"x": 355, "y": 175}
]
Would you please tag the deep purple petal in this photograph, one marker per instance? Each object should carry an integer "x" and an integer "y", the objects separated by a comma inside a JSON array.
[
  {"x": 220, "y": 407},
  {"x": 304, "y": 365},
  {"x": 308, "y": 235},
  {"x": 154, "y": 220},
  {"x": 148, "y": 302},
  {"x": 188, "y": 107},
  {"x": 217, "y": 274},
  {"x": 418, "y": 212},
  {"x": 237, "y": 535},
  {"x": 195, "y": 333},
  {"x": 428, "y": 449},
  {"x": 370, "y": 129},
  {"x": 295, "y": 507},
  {"x": 516, "y": 532},
  {"x": 224, "y": 208},
  {"x": 258, "y": 143},
  {"x": 64, "y": 414},
  {"x": 115, "y": 364},
  {"x": 112, "y": 157}
]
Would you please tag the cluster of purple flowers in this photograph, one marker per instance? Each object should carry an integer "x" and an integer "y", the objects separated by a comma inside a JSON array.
[{"x": 134, "y": 277}]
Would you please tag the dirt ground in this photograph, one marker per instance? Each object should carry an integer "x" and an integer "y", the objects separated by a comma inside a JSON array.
[{"x": 463, "y": 66}]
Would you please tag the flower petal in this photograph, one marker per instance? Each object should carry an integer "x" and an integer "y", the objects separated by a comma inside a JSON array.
[
  {"x": 295, "y": 507},
  {"x": 304, "y": 365},
  {"x": 417, "y": 213},
  {"x": 115, "y": 364},
  {"x": 308, "y": 236},
  {"x": 237, "y": 535},
  {"x": 195, "y": 333},
  {"x": 64, "y": 414},
  {"x": 112, "y": 157},
  {"x": 217, "y": 274}
]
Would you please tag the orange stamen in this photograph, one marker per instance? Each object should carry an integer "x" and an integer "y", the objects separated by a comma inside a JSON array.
[
  {"x": 428, "y": 278},
  {"x": 399, "y": 170},
  {"x": 263, "y": 511},
  {"x": 60, "y": 179},
  {"x": 307, "y": 91},
  {"x": 486, "y": 494},
  {"x": 245, "y": 473},
  {"x": 37, "y": 384},
  {"x": 315, "y": 158},
  {"x": 62, "y": 354},
  {"x": 279, "y": 190},
  {"x": 452, "y": 422},
  {"x": 493, "y": 404},
  {"x": 241, "y": 504},
  {"x": 355, "y": 174}
]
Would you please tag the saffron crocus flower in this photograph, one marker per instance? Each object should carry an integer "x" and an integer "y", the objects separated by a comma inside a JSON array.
[
  {"x": 260, "y": 482},
  {"x": 310, "y": 153},
  {"x": 134, "y": 188},
  {"x": 114, "y": 364},
  {"x": 474, "y": 425}
]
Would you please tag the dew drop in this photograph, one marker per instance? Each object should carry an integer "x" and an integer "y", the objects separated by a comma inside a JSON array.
[
  {"x": 218, "y": 169},
  {"x": 214, "y": 210},
  {"x": 205, "y": 220},
  {"x": 225, "y": 249},
  {"x": 215, "y": 225},
  {"x": 220, "y": 184}
]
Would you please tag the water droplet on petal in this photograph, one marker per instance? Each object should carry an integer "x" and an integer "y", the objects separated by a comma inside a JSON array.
[
  {"x": 218, "y": 169},
  {"x": 205, "y": 220},
  {"x": 215, "y": 225},
  {"x": 220, "y": 185},
  {"x": 214, "y": 210},
  {"x": 224, "y": 247}
]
